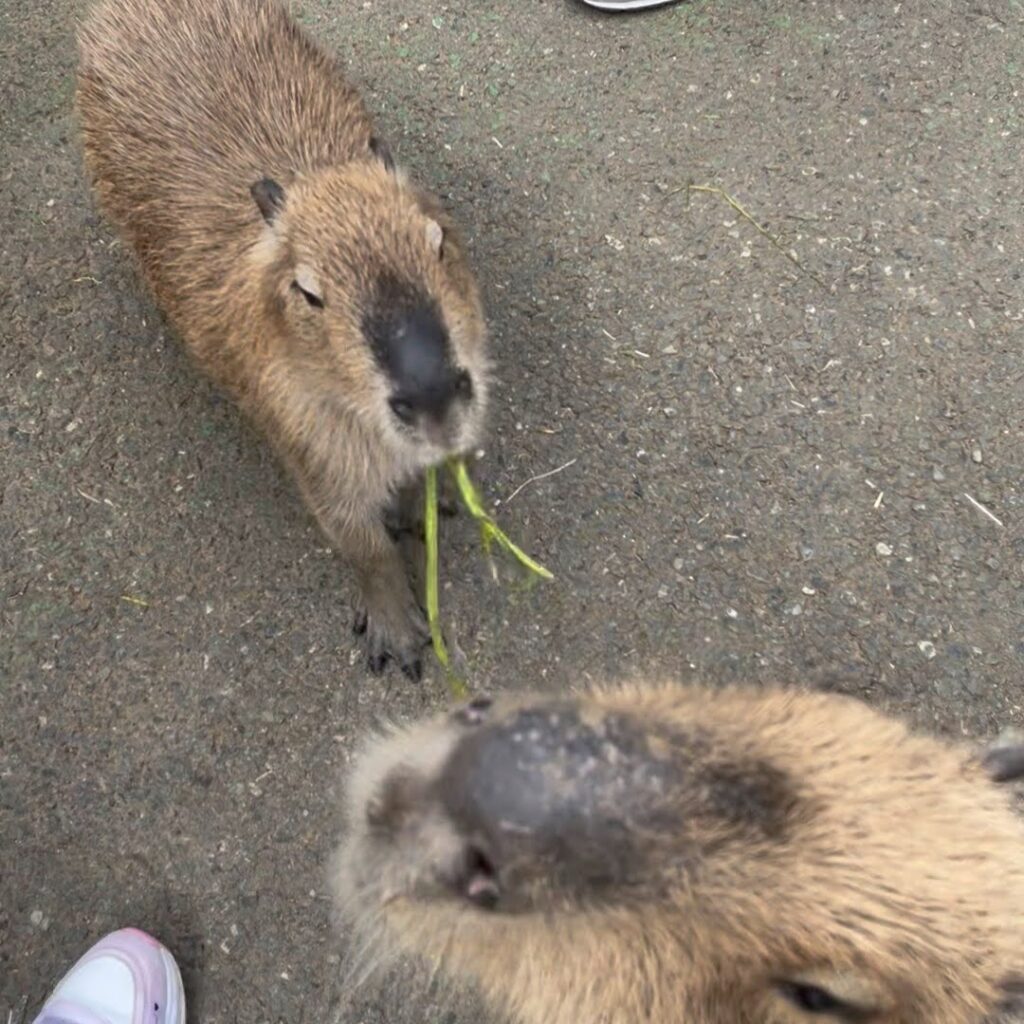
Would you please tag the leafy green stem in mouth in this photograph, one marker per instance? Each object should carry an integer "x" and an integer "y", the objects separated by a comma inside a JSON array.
[{"x": 490, "y": 533}]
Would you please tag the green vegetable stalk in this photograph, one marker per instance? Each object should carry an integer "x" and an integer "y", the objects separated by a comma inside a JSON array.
[{"x": 490, "y": 533}]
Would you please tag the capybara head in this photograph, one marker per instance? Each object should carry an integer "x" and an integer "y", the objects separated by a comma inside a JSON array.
[
  {"x": 668, "y": 854},
  {"x": 370, "y": 282}
]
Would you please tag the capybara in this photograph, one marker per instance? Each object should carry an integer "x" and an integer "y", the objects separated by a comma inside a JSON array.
[
  {"x": 305, "y": 274},
  {"x": 675, "y": 855}
]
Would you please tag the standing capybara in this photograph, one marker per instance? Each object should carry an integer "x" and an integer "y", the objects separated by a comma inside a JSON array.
[
  {"x": 670, "y": 855},
  {"x": 329, "y": 296}
]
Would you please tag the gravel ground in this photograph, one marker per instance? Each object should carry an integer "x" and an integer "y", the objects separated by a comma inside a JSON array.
[{"x": 796, "y": 460}]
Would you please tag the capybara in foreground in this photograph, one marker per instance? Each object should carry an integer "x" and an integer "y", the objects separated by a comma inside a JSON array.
[{"x": 674, "y": 855}]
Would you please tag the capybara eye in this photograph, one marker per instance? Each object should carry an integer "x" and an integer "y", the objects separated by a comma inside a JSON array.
[
  {"x": 314, "y": 300},
  {"x": 814, "y": 1000},
  {"x": 402, "y": 409}
]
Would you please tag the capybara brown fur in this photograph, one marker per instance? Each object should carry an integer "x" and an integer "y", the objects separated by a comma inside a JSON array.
[
  {"x": 675, "y": 855},
  {"x": 306, "y": 275}
]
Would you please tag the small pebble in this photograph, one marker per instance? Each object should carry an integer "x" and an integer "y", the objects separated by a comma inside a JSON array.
[
  {"x": 677, "y": 564},
  {"x": 36, "y": 917},
  {"x": 809, "y": 591},
  {"x": 732, "y": 613},
  {"x": 938, "y": 475},
  {"x": 927, "y": 648},
  {"x": 883, "y": 549},
  {"x": 976, "y": 455}
]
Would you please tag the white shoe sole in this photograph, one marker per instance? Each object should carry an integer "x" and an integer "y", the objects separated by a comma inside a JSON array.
[
  {"x": 175, "y": 996},
  {"x": 626, "y": 5}
]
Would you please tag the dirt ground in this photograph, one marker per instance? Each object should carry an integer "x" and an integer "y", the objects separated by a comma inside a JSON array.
[{"x": 800, "y": 462}]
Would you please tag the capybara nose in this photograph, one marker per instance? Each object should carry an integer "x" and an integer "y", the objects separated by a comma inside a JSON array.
[
  {"x": 418, "y": 358},
  {"x": 549, "y": 800}
]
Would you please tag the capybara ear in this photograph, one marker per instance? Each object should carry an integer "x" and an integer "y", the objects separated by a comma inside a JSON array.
[
  {"x": 269, "y": 198},
  {"x": 382, "y": 151},
  {"x": 1005, "y": 763}
]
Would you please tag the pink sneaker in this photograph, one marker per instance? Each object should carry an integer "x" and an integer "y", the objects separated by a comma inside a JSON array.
[{"x": 126, "y": 978}]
